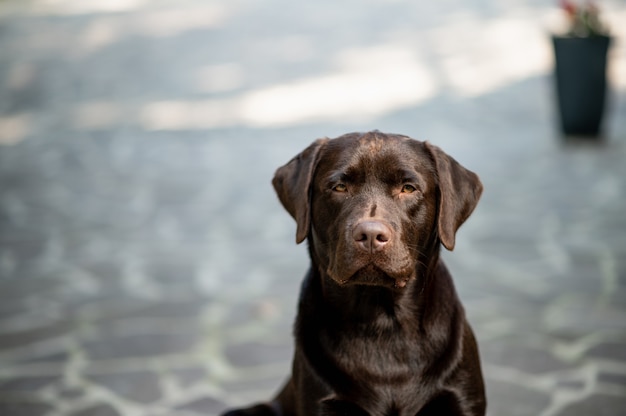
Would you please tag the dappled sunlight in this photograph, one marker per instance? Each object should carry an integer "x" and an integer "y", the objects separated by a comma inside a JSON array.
[
  {"x": 20, "y": 75},
  {"x": 97, "y": 115},
  {"x": 617, "y": 53},
  {"x": 371, "y": 82},
  {"x": 466, "y": 56},
  {"x": 220, "y": 77},
  {"x": 165, "y": 22},
  {"x": 70, "y": 7},
  {"x": 14, "y": 129},
  {"x": 99, "y": 34},
  {"x": 496, "y": 53},
  {"x": 368, "y": 82},
  {"x": 266, "y": 81},
  {"x": 193, "y": 115}
]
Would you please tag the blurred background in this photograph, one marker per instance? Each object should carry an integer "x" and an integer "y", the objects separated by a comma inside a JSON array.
[{"x": 146, "y": 266}]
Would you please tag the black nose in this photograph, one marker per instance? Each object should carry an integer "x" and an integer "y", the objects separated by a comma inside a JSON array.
[{"x": 371, "y": 236}]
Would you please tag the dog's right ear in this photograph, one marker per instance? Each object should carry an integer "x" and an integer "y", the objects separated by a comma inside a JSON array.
[{"x": 292, "y": 183}]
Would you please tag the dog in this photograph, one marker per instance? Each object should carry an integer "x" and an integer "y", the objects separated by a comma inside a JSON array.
[{"x": 380, "y": 330}]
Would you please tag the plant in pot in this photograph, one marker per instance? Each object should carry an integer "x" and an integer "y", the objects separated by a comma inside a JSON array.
[{"x": 580, "y": 70}]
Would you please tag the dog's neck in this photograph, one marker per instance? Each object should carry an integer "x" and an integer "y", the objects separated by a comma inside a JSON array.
[{"x": 376, "y": 306}]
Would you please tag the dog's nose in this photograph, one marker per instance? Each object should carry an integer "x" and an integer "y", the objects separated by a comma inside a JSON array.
[{"x": 371, "y": 236}]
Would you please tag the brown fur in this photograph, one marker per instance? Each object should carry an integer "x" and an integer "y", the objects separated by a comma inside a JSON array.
[{"x": 380, "y": 330}]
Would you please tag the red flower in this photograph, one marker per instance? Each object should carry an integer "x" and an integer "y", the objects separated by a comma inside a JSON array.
[
  {"x": 584, "y": 20},
  {"x": 569, "y": 7}
]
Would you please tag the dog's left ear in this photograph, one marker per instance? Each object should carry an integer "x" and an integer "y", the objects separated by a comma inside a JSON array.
[
  {"x": 459, "y": 192},
  {"x": 292, "y": 183}
]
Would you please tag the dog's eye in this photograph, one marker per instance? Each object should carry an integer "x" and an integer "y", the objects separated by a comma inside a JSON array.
[
  {"x": 340, "y": 188},
  {"x": 408, "y": 189}
]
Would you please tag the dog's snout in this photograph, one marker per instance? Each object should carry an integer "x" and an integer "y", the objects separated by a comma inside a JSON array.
[{"x": 371, "y": 236}]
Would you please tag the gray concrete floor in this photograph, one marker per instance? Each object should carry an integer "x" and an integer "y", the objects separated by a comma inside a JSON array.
[{"x": 146, "y": 267}]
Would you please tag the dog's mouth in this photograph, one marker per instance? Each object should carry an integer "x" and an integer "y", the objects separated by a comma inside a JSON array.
[{"x": 372, "y": 275}]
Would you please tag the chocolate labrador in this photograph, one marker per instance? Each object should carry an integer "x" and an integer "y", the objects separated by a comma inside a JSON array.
[{"x": 380, "y": 330}]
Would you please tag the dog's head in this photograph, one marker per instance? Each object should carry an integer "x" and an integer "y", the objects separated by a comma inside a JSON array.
[{"x": 372, "y": 205}]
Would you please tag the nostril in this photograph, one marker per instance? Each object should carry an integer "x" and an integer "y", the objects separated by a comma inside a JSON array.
[{"x": 371, "y": 235}]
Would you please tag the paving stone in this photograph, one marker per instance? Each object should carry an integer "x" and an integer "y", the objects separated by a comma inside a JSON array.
[
  {"x": 582, "y": 313},
  {"x": 572, "y": 384},
  {"x": 25, "y": 384},
  {"x": 597, "y": 404},
  {"x": 24, "y": 250},
  {"x": 10, "y": 308},
  {"x": 26, "y": 337},
  {"x": 142, "y": 387},
  {"x": 255, "y": 353},
  {"x": 515, "y": 354},
  {"x": 154, "y": 317},
  {"x": 172, "y": 274},
  {"x": 106, "y": 306},
  {"x": 149, "y": 345},
  {"x": 52, "y": 358},
  {"x": 615, "y": 378},
  {"x": 71, "y": 393},
  {"x": 610, "y": 350},
  {"x": 97, "y": 410},
  {"x": 268, "y": 311},
  {"x": 190, "y": 376},
  {"x": 504, "y": 398},
  {"x": 271, "y": 384},
  {"x": 205, "y": 405},
  {"x": 24, "y": 409},
  {"x": 140, "y": 257},
  {"x": 105, "y": 270},
  {"x": 17, "y": 288}
]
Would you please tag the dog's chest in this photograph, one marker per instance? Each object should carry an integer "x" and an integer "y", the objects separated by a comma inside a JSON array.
[
  {"x": 378, "y": 359},
  {"x": 385, "y": 370}
]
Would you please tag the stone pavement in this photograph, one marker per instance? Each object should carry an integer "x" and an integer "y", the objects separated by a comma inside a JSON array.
[{"x": 146, "y": 267}]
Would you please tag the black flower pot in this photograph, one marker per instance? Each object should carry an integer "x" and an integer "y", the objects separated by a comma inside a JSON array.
[{"x": 580, "y": 73}]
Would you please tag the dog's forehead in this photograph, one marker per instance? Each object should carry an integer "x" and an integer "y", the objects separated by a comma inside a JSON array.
[{"x": 372, "y": 152}]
